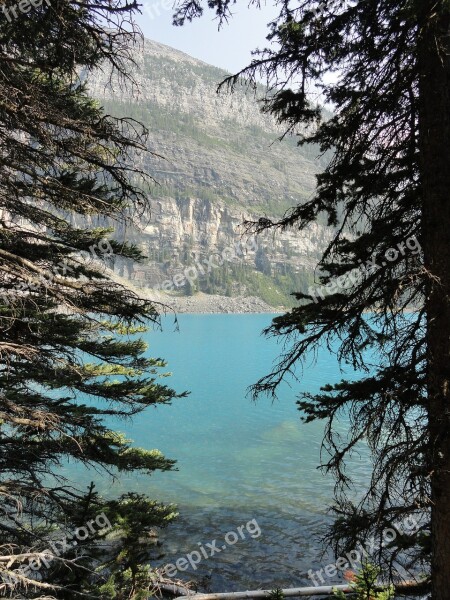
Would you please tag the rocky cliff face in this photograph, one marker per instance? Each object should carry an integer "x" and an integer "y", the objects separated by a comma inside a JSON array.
[{"x": 222, "y": 163}]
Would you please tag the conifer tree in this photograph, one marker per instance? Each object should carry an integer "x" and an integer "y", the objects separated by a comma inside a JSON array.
[
  {"x": 382, "y": 297},
  {"x": 72, "y": 362}
]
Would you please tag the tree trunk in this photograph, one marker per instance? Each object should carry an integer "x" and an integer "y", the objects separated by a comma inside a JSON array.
[{"x": 434, "y": 130}]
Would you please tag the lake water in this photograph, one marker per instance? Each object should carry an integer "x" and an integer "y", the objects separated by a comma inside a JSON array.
[{"x": 237, "y": 460}]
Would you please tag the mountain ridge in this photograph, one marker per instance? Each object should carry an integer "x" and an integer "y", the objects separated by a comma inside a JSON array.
[{"x": 223, "y": 163}]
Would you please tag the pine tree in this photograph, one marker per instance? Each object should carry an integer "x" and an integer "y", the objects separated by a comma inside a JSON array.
[
  {"x": 383, "y": 293},
  {"x": 71, "y": 357}
]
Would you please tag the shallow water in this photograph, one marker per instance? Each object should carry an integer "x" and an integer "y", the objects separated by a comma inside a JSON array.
[{"x": 237, "y": 460}]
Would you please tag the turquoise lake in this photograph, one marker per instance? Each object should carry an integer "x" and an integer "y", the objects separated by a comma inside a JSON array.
[{"x": 237, "y": 460}]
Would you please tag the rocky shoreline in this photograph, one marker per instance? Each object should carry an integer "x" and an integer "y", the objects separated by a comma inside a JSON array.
[{"x": 211, "y": 304}]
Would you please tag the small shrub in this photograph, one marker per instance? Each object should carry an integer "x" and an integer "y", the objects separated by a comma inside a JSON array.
[{"x": 365, "y": 585}]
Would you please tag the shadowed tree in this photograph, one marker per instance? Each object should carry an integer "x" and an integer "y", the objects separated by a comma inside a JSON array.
[
  {"x": 382, "y": 296},
  {"x": 71, "y": 359}
]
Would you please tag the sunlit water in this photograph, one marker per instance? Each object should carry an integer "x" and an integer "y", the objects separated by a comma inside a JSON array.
[{"x": 237, "y": 460}]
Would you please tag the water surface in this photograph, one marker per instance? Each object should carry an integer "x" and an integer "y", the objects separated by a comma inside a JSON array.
[{"x": 237, "y": 460}]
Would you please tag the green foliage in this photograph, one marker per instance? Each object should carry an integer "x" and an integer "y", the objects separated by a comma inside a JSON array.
[
  {"x": 385, "y": 184},
  {"x": 365, "y": 586},
  {"x": 277, "y": 594},
  {"x": 126, "y": 573},
  {"x": 242, "y": 279},
  {"x": 70, "y": 353}
]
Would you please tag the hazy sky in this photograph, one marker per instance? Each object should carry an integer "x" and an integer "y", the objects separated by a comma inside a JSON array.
[{"x": 228, "y": 48}]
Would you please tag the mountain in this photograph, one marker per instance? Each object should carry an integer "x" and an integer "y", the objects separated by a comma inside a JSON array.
[{"x": 217, "y": 161}]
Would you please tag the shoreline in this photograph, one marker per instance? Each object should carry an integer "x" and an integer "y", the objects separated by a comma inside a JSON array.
[{"x": 208, "y": 304}]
